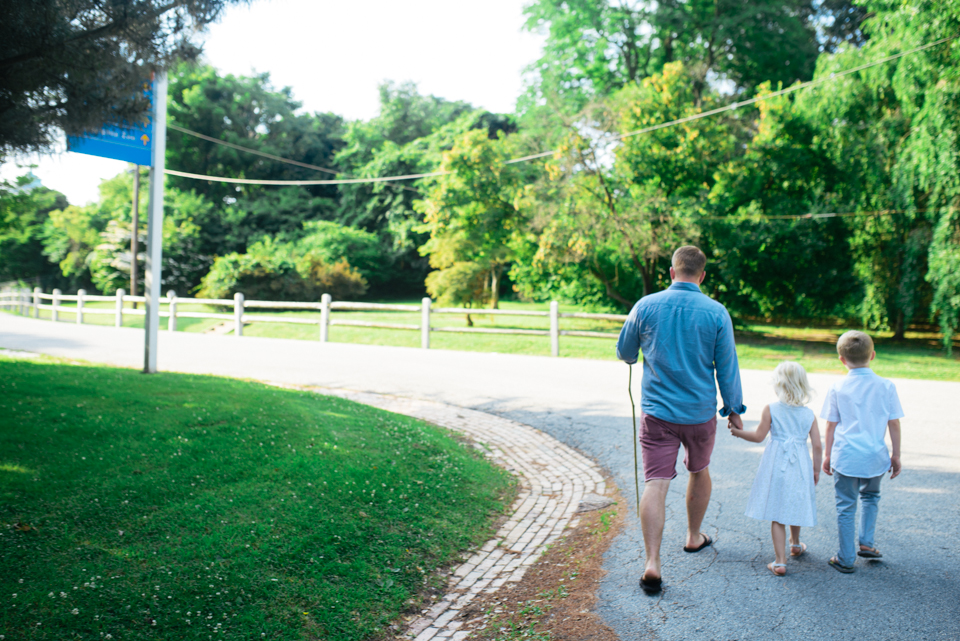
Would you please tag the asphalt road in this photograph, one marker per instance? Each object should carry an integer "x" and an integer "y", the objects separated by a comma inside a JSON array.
[{"x": 722, "y": 593}]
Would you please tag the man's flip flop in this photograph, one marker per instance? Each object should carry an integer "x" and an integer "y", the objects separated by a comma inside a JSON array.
[
  {"x": 651, "y": 586},
  {"x": 707, "y": 541},
  {"x": 839, "y": 567},
  {"x": 799, "y": 546},
  {"x": 870, "y": 553}
]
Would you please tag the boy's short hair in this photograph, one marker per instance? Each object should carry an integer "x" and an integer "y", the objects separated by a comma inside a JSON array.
[
  {"x": 855, "y": 347},
  {"x": 689, "y": 261}
]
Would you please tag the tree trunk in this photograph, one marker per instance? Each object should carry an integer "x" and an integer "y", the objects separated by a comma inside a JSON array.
[
  {"x": 647, "y": 275},
  {"x": 900, "y": 327},
  {"x": 495, "y": 288}
]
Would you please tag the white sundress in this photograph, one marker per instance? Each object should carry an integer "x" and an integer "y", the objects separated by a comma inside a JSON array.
[{"x": 783, "y": 490}]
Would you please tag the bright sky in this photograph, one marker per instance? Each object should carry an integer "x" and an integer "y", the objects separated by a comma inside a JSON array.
[{"x": 334, "y": 54}]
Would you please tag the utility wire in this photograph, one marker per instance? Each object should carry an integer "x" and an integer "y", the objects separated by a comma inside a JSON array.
[
  {"x": 184, "y": 130},
  {"x": 348, "y": 181},
  {"x": 258, "y": 153},
  {"x": 544, "y": 154}
]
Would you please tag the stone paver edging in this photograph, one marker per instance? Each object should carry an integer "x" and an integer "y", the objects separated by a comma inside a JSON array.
[{"x": 553, "y": 479}]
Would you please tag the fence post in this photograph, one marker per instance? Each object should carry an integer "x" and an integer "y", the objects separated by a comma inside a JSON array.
[
  {"x": 80, "y": 294},
  {"x": 19, "y": 292},
  {"x": 554, "y": 328},
  {"x": 56, "y": 305},
  {"x": 36, "y": 302},
  {"x": 172, "y": 309},
  {"x": 425, "y": 323},
  {"x": 325, "y": 318},
  {"x": 238, "y": 314},
  {"x": 118, "y": 320}
]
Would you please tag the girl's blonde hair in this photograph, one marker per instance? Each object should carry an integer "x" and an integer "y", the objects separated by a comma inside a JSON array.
[{"x": 791, "y": 385}]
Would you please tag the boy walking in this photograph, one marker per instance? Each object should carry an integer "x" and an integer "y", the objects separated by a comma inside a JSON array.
[{"x": 859, "y": 410}]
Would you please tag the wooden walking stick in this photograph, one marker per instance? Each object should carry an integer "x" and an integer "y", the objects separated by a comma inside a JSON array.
[{"x": 633, "y": 413}]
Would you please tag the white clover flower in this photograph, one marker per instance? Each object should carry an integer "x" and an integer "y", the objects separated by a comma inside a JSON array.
[{"x": 75, "y": 611}]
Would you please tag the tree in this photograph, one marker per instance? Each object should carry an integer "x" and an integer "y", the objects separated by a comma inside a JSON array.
[
  {"x": 596, "y": 47},
  {"x": 762, "y": 262},
  {"x": 249, "y": 112},
  {"x": 892, "y": 131},
  {"x": 73, "y": 66},
  {"x": 24, "y": 210},
  {"x": 629, "y": 203},
  {"x": 407, "y": 137},
  {"x": 473, "y": 215}
]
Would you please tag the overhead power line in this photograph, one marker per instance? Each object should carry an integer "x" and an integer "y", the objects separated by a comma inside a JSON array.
[
  {"x": 348, "y": 181},
  {"x": 256, "y": 152},
  {"x": 544, "y": 154}
]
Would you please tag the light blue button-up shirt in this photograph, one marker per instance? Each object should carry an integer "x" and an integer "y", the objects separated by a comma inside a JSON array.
[
  {"x": 686, "y": 337},
  {"x": 861, "y": 404}
]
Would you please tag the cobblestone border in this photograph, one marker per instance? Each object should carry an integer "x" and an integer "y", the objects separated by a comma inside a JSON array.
[{"x": 553, "y": 479}]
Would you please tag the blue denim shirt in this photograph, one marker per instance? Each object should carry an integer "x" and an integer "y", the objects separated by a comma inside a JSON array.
[{"x": 685, "y": 337}]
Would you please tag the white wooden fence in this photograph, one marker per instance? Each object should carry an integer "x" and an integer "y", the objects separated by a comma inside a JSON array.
[{"x": 25, "y": 302}]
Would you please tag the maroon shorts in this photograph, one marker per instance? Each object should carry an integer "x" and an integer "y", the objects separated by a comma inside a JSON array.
[{"x": 661, "y": 441}]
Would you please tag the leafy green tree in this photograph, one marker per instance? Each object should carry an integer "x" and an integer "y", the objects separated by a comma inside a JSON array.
[
  {"x": 762, "y": 262},
  {"x": 892, "y": 131},
  {"x": 596, "y": 47},
  {"x": 72, "y": 66},
  {"x": 24, "y": 210},
  {"x": 249, "y": 112},
  {"x": 473, "y": 216},
  {"x": 629, "y": 204},
  {"x": 407, "y": 137}
]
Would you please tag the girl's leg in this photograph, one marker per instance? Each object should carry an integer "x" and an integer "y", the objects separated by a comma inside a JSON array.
[
  {"x": 779, "y": 534},
  {"x": 794, "y": 535}
]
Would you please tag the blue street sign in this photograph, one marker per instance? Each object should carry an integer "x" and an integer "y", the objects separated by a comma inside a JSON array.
[{"x": 121, "y": 142}]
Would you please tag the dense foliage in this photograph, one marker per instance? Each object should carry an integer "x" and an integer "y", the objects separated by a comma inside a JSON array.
[
  {"x": 840, "y": 201},
  {"x": 72, "y": 65}
]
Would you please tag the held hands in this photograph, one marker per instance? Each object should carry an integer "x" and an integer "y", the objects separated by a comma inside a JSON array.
[
  {"x": 894, "y": 467},
  {"x": 735, "y": 421}
]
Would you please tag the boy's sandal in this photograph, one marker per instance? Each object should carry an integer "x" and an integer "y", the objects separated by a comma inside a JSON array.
[
  {"x": 840, "y": 567},
  {"x": 773, "y": 568},
  {"x": 870, "y": 553},
  {"x": 799, "y": 546}
]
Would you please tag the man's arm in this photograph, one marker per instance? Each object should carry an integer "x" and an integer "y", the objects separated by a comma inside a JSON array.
[
  {"x": 728, "y": 373},
  {"x": 628, "y": 345},
  {"x": 894, "y": 427}
]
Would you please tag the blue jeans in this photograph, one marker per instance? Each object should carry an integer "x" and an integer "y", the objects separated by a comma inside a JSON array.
[{"x": 847, "y": 488}]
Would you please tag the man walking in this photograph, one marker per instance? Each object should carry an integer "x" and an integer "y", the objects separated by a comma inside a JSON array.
[{"x": 686, "y": 337}]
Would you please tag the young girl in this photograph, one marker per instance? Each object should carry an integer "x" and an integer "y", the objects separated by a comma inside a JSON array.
[{"x": 783, "y": 490}]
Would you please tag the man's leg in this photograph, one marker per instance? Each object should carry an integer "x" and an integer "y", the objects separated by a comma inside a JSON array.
[
  {"x": 699, "y": 488},
  {"x": 652, "y": 516},
  {"x": 846, "y": 490},
  {"x": 869, "y": 498}
]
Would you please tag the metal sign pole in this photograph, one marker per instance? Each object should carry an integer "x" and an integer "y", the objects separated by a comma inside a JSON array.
[
  {"x": 134, "y": 241},
  {"x": 151, "y": 274}
]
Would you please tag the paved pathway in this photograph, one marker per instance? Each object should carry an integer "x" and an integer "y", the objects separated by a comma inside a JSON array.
[{"x": 722, "y": 593}]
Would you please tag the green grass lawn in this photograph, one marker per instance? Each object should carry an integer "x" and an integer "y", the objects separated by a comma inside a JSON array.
[
  {"x": 189, "y": 507},
  {"x": 759, "y": 346}
]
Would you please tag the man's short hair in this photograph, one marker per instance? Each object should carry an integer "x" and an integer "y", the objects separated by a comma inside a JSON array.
[
  {"x": 689, "y": 261},
  {"x": 855, "y": 347}
]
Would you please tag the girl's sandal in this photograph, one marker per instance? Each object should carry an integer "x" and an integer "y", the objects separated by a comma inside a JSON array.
[
  {"x": 773, "y": 567},
  {"x": 799, "y": 546}
]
